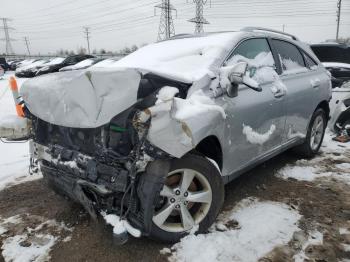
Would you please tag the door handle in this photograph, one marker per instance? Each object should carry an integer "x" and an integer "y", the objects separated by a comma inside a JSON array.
[
  {"x": 315, "y": 83},
  {"x": 279, "y": 94}
]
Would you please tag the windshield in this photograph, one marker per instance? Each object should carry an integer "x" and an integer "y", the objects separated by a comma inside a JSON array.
[{"x": 186, "y": 58}]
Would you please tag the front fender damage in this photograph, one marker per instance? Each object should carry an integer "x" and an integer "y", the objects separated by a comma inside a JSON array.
[{"x": 178, "y": 125}]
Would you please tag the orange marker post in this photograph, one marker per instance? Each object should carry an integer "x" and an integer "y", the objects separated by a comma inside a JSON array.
[{"x": 16, "y": 96}]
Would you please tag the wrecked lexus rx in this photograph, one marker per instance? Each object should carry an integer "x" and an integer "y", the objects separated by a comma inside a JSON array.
[{"x": 149, "y": 141}]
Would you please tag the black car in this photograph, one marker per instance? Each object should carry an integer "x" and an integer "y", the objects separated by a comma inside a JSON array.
[
  {"x": 336, "y": 58},
  {"x": 70, "y": 60},
  {"x": 4, "y": 64}
]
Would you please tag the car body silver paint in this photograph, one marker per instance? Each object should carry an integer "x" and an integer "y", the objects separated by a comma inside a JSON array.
[{"x": 290, "y": 113}]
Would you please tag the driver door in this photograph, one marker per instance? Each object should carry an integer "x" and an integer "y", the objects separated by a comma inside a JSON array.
[{"x": 255, "y": 122}]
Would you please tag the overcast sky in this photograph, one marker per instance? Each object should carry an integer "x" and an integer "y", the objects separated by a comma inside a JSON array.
[{"x": 54, "y": 24}]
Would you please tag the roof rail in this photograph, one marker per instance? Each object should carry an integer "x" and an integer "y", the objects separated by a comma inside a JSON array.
[{"x": 251, "y": 29}]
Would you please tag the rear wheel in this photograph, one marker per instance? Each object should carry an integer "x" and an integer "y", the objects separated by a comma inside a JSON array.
[
  {"x": 191, "y": 197},
  {"x": 315, "y": 134}
]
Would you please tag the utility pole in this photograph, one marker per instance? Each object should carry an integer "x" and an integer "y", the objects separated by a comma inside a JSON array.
[
  {"x": 27, "y": 44},
  {"x": 87, "y": 36},
  {"x": 199, "y": 20},
  {"x": 166, "y": 24},
  {"x": 338, "y": 18},
  {"x": 7, "y": 39},
  {"x": 283, "y": 27}
]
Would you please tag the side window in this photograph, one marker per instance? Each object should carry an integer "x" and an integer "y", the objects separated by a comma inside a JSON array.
[
  {"x": 255, "y": 50},
  {"x": 290, "y": 57}
]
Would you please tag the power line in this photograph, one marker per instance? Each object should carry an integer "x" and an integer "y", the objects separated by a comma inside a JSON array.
[
  {"x": 27, "y": 44},
  {"x": 199, "y": 20},
  {"x": 7, "y": 39},
  {"x": 166, "y": 24},
  {"x": 87, "y": 36}
]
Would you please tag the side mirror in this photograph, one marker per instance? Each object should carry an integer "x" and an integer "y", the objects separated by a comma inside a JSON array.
[{"x": 238, "y": 76}]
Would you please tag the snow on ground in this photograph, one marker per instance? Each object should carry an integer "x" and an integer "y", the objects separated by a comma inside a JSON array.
[
  {"x": 238, "y": 229},
  {"x": 323, "y": 166},
  {"x": 22, "y": 243},
  {"x": 14, "y": 158}
]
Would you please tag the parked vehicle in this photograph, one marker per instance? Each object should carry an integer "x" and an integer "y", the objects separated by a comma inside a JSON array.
[
  {"x": 2, "y": 72},
  {"x": 31, "y": 69},
  {"x": 70, "y": 60},
  {"x": 152, "y": 139},
  {"x": 5, "y": 66},
  {"x": 82, "y": 65},
  {"x": 26, "y": 62},
  {"x": 336, "y": 58},
  {"x": 13, "y": 64}
]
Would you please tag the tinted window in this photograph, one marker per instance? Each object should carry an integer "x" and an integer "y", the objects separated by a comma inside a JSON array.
[
  {"x": 289, "y": 55},
  {"x": 329, "y": 53}
]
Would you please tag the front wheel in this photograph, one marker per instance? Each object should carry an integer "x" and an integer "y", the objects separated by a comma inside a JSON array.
[
  {"x": 315, "y": 134},
  {"x": 192, "y": 196}
]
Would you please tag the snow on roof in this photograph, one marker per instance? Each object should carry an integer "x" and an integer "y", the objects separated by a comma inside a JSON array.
[
  {"x": 55, "y": 61},
  {"x": 186, "y": 59},
  {"x": 83, "y": 63}
]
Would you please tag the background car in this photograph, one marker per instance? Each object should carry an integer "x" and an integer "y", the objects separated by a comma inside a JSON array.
[
  {"x": 13, "y": 64},
  {"x": 31, "y": 69},
  {"x": 55, "y": 67},
  {"x": 2, "y": 72},
  {"x": 336, "y": 59},
  {"x": 5, "y": 66},
  {"x": 82, "y": 65}
]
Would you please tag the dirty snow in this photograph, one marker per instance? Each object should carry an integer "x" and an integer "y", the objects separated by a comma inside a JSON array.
[
  {"x": 14, "y": 157},
  {"x": 120, "y": 226},
  {"x": 316, "y": 168},
  {"x": 247, "y": 242},
  {"x": 254, "y": 137},
  {"x": 22, "y": 243},
  {"x": 314, "y": 238}
]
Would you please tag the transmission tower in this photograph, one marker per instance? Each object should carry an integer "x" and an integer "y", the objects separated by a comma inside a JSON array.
[
  {"x": 87, "y": 36},
  {"x": 166, "y": 24},
  {"x": 199, "y": 20},
  {"x": 7, "y": 39},
  {"x": 27, "y": 44},
  {"x": 338, "y": 18}
]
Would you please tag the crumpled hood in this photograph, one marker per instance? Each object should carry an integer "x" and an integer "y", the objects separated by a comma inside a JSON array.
[{"x": 81, "y": 99}]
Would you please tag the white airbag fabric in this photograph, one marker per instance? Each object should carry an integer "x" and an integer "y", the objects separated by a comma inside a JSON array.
[{"x": 81, "y": 99}]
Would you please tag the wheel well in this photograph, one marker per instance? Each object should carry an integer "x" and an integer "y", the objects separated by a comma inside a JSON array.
[
  {"x": 211, "y": 148},
  {"x": 325, "y": 106}
]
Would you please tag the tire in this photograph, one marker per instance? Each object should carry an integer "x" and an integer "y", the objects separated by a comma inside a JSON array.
[
  {"x": 309, "y": 149},
  {"x": 205, "y": 173}
]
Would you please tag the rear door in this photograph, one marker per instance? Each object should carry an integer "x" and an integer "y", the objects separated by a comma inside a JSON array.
[
  {"x": 255, "y": 120},
  {"x": 303, "y": 79}
]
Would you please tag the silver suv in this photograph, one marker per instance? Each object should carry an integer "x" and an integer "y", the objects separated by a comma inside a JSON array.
[{"x": 152, "y": 138}]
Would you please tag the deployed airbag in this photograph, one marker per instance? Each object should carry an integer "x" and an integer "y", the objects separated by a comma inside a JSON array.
[{"x": 81, "y": 99}]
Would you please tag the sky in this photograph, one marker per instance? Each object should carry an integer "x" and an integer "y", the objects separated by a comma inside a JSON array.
[{"x": 51, "y": 25}]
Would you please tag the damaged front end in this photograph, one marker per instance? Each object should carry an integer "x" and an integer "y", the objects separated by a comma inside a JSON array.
[{"x": 110, "y": 169}]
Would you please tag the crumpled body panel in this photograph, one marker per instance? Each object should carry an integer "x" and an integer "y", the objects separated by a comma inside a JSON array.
[{"x": 81, "y": 99}]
